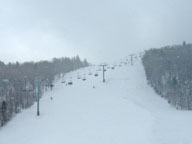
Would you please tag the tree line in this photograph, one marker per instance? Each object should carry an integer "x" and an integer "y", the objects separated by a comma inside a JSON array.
[
  {"x": 18, "y": 82},
  {"x": 169, "y": 72}
]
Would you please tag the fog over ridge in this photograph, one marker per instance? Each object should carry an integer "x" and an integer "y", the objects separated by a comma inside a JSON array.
[{"x": 97, "y": 30}]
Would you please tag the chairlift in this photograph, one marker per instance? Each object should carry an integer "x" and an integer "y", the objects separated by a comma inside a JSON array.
[
  {"x": 84, "y": 78},
  {"x": 96, "y": 74},
  {"x": 70, "y": 82},
  {"x": 89, "y": 72},
  {"x": 78, "y": 77}
]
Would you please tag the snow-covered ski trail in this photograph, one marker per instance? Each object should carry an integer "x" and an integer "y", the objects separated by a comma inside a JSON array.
[{"x": 123, "y": 110}]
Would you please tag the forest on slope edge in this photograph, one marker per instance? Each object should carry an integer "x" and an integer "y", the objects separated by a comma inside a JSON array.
[
  {"x": 19, "y": 82},
  {"x": 169, "y": 72}
]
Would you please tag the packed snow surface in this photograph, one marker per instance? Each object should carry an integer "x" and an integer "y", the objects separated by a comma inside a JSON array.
[{"x": 123, "y": 110}]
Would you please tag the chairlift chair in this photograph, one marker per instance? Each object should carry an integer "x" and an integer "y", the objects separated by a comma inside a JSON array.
[
  {"x": 78, "y": 77},
  {"x": 84, "y": 78},
  {"x": 70, "y": 83},
  {"x": 96, "y": 74}
]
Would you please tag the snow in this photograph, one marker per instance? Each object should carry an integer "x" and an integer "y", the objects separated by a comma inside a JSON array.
[{"x": 123, "y": 110}]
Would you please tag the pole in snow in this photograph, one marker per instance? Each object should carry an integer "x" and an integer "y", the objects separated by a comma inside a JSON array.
[
  {"x": 131, "y": 59},
  {"x": 103, "y": 73},
  {"x": 38, "y": 97}
]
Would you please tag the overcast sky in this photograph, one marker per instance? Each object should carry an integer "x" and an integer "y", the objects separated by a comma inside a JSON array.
[{"x": 99, "y": 30}]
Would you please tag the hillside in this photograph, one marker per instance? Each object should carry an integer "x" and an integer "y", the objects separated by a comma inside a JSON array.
[{"x": 122, "y": 110}]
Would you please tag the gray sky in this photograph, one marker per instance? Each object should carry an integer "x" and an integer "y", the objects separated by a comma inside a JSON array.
[{"x": 99, "y": 30}]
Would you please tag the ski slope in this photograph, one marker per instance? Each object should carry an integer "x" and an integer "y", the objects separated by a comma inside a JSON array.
[{"x": 124, "y": 110}]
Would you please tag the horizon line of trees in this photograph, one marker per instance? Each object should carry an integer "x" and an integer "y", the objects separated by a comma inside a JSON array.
[
  {"x": 169, "y": 72},
  {"x": 18, "y": 82}
]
